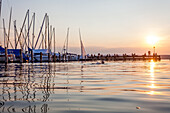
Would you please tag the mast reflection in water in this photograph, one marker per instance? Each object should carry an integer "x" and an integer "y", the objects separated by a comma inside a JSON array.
[{"x": 85, "y": 87}]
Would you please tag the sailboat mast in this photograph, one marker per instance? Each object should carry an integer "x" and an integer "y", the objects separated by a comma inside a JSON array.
[
  {"x": 46, "y": 33},
  {"x": 15, "y": 35},
  {"x": 79, "y": 34},
  {"x": 54, "y": 38},
  {"x": 41, "y": 29},
  {"x": 67, "y": 41},
  {"x": 51, "y": 36},
  {"x": 21, "y": 29},
  {"x": 0, "y": 7},
  {"x": 9, "y": 27},
  {"x": 4, "y": 33},
  {"x": 48, "y": 30},
  {"x": 81, "y": 43},
  {"x": 33, "y": 36},
  {"x": 28, "y": 30},
  {"x": 83, "y": 52}
]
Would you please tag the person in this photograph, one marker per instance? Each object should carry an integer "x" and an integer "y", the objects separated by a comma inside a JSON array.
[{"x": 102, "y": 61}]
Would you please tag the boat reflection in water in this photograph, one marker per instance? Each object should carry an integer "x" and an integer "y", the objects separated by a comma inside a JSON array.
[{"x": 85, "y": 87}]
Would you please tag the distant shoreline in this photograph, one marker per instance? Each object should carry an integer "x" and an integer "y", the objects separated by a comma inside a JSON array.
[{"x": 165, "y": 56}]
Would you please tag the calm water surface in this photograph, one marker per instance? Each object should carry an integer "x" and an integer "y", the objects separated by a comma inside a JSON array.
[{"x": 113, "y": 87}]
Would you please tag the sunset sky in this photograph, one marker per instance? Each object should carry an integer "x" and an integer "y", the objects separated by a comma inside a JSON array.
[{"x": 107, "y": 26}]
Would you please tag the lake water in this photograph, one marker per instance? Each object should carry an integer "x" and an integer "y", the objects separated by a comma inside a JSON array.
[{"x": 113, "y": 87}]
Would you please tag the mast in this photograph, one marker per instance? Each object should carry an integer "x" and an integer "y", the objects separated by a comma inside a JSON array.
[
  {"x": 21, "y": 29},
  {"x": 28, "y": 30},
  {"x": 42, "y": 41},
  {"x": 0, "y": 7},
  {"x": 33, "y": 31},
  {"x": 67, "y": 41},
  {"x": 40, "y": 31},
  {"x": 51, "y": 35},
  {"x": 15, "y": 33},
  {"x": 4, "y": 33},
  {"x": 48, "y": 30},
  {"x": 83, "y": 52},
  {"x": 25, "y": 37},
  {"x": 46, "y": 33},
  {"x": 65, "y": 47},
  {"x": 54, "y": 38},
  {"x": 9, "y": 28}
]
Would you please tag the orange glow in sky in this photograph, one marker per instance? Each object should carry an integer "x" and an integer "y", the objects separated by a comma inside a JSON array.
[
  {"x": 152, "y": 40},
  {"x": 107, "y": 26}
]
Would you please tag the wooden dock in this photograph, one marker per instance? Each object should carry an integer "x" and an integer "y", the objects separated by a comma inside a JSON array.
[
  {"x": 124, "y": 57},
  {"x": 92, "y": 57}
]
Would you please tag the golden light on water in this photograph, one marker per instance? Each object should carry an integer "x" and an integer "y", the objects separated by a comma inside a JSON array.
[
  {"x": 152, "y": 40},
  {"x": 152, "y": 81},
  {"x": 151, "y": 92},
  {"x": 152, "y": 76},
  {"x": 152, "y": 66}
]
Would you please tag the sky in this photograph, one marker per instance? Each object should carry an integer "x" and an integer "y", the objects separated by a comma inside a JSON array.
[{"x": 107, "y": 26}]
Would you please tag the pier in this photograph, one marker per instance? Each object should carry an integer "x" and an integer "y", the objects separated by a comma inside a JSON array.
[
  {"x": 27, "y": 49},
  {"x": 92, "y": 57},
  {"x": 123, "y": 57}
]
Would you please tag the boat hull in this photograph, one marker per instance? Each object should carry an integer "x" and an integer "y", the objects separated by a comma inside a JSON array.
[
  {"x": 11, "y": 58},
  {"x": 44, "y": 58}
]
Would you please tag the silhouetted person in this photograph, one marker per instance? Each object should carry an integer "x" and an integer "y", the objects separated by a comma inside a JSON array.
[{"x": 102, "y": 61}]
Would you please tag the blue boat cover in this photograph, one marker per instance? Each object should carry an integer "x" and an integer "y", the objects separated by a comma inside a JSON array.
[
  {"x": 2, "y": 49},
  {"x": 16, "y": 52}
]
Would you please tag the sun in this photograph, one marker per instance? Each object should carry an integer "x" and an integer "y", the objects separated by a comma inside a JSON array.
[{"x": 152, "y": 39}]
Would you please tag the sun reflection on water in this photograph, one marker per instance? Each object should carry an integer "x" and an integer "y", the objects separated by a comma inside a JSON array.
[{"x": 152, "y": 85}]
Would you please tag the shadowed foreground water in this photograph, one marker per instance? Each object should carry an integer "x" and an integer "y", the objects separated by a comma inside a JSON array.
[{"x": 113, "y": 87}]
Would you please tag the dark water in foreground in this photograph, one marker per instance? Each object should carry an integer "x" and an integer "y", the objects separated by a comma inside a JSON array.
[{"x": 115, "y": 87}]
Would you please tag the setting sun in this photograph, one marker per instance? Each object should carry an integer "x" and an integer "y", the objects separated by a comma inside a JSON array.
[{"x": 152, "y": 40}]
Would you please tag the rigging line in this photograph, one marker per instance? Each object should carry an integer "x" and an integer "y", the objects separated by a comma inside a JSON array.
[
  {"x": 15, "y": 30},
  {"x": 22, "y": 28},
  {"x": 9, "y": 40},
  {"x": 17, "y": 36},
  {"x": 27, "y": 32},
  {"x": 40, "y": 30},
  {"x": 24, "y": 37}
]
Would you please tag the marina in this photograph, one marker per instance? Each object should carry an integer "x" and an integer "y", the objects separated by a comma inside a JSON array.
[
  {"x": 43, "y": 55},
  {"x": 72, "y": 56},
  {"x": 27, "y": 48}
]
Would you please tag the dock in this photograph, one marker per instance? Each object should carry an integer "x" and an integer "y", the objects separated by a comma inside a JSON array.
[{"x": 124, "y": 57}]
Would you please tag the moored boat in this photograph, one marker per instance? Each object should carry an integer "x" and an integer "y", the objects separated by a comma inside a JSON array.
[{"x": 37, "y": 54}]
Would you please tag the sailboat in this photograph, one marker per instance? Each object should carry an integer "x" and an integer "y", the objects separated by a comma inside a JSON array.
[
  {"x": 65, "y": 48},
  {"x": 67, "y": 56},
  {"x": 83, "y": 52}
]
